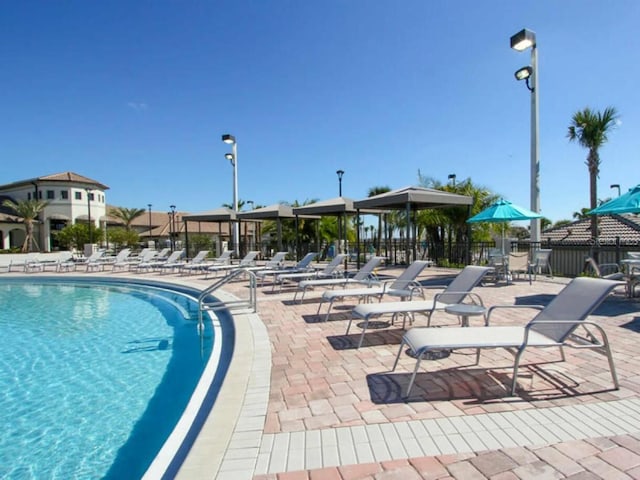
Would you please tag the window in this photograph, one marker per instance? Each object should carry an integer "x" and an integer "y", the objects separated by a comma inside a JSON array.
[
  {"x": 78, "y": 195},
  {"x": 64, "y": 195},
  {"x": 28, "y": 195},
  {"x": 91, "y": 197},
  {"x": 50, "y": 195},
  {"x": 40, "y": 195}
]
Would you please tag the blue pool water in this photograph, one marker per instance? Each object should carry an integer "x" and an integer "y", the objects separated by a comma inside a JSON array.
[{"x": 93, "y": 377}]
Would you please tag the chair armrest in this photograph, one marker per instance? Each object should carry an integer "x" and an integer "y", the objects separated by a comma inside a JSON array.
[
  {"x": 474, "y": 297},
  {"x": 501, "y": 307},
  {"x": 609, "y": 267}
]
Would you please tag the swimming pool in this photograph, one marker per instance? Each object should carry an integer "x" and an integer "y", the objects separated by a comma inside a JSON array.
[{"x": 94, "y": 375}]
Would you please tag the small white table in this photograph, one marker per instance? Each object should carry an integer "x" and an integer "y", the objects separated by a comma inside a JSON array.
[{"x": 466, "y": 310}]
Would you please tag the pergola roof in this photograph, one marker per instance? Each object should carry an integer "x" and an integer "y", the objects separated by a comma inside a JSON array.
[
  {"x": 222, "y": 214},
  {"x": 417, "y": 197},
  {"x": 333, "y": 206},
  {"x": 278, "y": 210}
]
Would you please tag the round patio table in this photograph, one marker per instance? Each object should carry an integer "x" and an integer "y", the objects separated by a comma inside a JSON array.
[{"x": 465, "y": 310}]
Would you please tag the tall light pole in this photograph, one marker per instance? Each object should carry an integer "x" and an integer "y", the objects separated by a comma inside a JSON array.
[
  {"x": 88, "y": 190},
  {"x": 149, "y": 205},
  {"x": 521, "y": 41},
  {"x": 616, "y": 185},
  {"x": 340, "y": 173},
  {"x": 233, "y": 158},
  {"x": 172, "y": 226}
]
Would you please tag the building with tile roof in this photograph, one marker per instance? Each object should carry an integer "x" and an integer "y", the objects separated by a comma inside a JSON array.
[
  {"x": 612, "y": 228},
  {"x": 70, "y": 197}
]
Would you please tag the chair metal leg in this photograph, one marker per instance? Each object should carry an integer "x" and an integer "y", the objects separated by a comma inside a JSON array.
[
  {"x": 516, "y": 365},
  {"x": 395, "y": 364},
  {"x": 413, "y": 375},
  {"x": 326, "y": 317}
]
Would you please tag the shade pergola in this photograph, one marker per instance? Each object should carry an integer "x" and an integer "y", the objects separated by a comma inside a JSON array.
[
  {"x": 339, "y": 206},
  {"x": 412, "y": 199},
  {"x": 219, "y": 215},
  {"x": 275, "y": 212}
]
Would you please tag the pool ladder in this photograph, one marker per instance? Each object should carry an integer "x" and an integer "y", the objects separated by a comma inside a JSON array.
[{"x": 204, "y": 303}]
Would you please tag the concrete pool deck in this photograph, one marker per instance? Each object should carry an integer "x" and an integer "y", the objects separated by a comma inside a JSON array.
[{"x": 300, "y": 401}]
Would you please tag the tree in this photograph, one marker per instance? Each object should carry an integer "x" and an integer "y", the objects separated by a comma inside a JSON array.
[
  {"x": 29, "y": 210},
  {"x": 583, "y": 214},
  {"x": 127, "y": 215},
  {"x": 75, "y": 236},
  {"x": 590, "y": 129},
  {"x": 373, "y": 191},
  {"x": 121, "y": 236}
]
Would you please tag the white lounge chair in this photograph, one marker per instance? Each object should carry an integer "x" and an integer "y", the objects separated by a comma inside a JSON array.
[
  {"x": 553, "y": 326},
  {"x": 195, "y": 262},
  {"x": 458, "y": 291},
  {"x": 173, "y": 263},
  {"x": 200, "y": 266},
  {"x": 156, "y": 264},
  {"x": 93, "y": 262},
  {"x": 365, "y": 276},
  {"x": 274, "y": 263},
  {"x": 143, "y": 261},
  {"x": 64, "y": 263},
  {"x": 248, "y": 261},
  {"x": 332, "y": 270},
  {"x": 302, "y": 266},
  {"x": 405, "y": 287},
  {"x": 121, "y": 262}
]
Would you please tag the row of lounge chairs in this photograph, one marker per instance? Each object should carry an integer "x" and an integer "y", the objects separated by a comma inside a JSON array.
[{"x": 555, "y": 325}]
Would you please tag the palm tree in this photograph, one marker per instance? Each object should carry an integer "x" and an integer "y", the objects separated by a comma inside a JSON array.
[
  {"x": 590, "y": 129},
  {"x": 127, "y": 215},
  {"x": 29, "y": 211},
  {"x": 373, "y": 191}
]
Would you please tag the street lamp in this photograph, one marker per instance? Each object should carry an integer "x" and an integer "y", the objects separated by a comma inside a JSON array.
[
  {"x": 340, "y": 173},
  {"x": 521, "y": 41},
  {"x": 172, "y": 226},
  {"x": 616, "y": 185},
  {"x": 233, "y": 158},
  {"x": 452, "y": 177},
  {"x": 88, "y": 190},
  {"x": 149, "y": 205}
]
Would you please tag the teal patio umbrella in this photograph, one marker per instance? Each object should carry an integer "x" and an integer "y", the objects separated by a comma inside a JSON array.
[
  {"x": 627, "y": 203},
  {"x": 503, "y": 211}
]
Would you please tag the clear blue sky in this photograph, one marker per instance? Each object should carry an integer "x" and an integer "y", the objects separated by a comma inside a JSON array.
[{"x": 136, "y": 94}]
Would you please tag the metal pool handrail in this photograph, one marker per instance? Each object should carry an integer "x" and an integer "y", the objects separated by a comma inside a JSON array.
[{"x": 249, "y": 303}]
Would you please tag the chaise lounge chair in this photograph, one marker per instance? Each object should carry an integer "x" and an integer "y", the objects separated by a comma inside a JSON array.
[
  {"x": 553, "y": 326},
  {"x": 158, "y": 263},
  {"x": 249, "y": 260},
  {"x": 456, "y": 292},
  {"x": 405, "y": 287},
  {"x": 364, "y": 276},
  {"x": 201, "y": 266},
  {"x": 302, "y": 266},
  {"x": 332, "y": 270}
]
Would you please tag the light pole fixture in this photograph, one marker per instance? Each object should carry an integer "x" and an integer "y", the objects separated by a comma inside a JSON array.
[
  {"x": 172, "y": 226},
  {"x": 149, "y": 205},
  {"x": 233, "y": 158},
  {"x": 526, "y": 39},
  {"x": 340, "y": 173},
  {"x": 616, "y": 185},
  {"x": 452, "y": 177},
  {"x": 88, "y": 190}
]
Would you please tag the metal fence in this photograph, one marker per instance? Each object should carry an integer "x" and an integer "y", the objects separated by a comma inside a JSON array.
[{"x": 567, "y": 259}]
